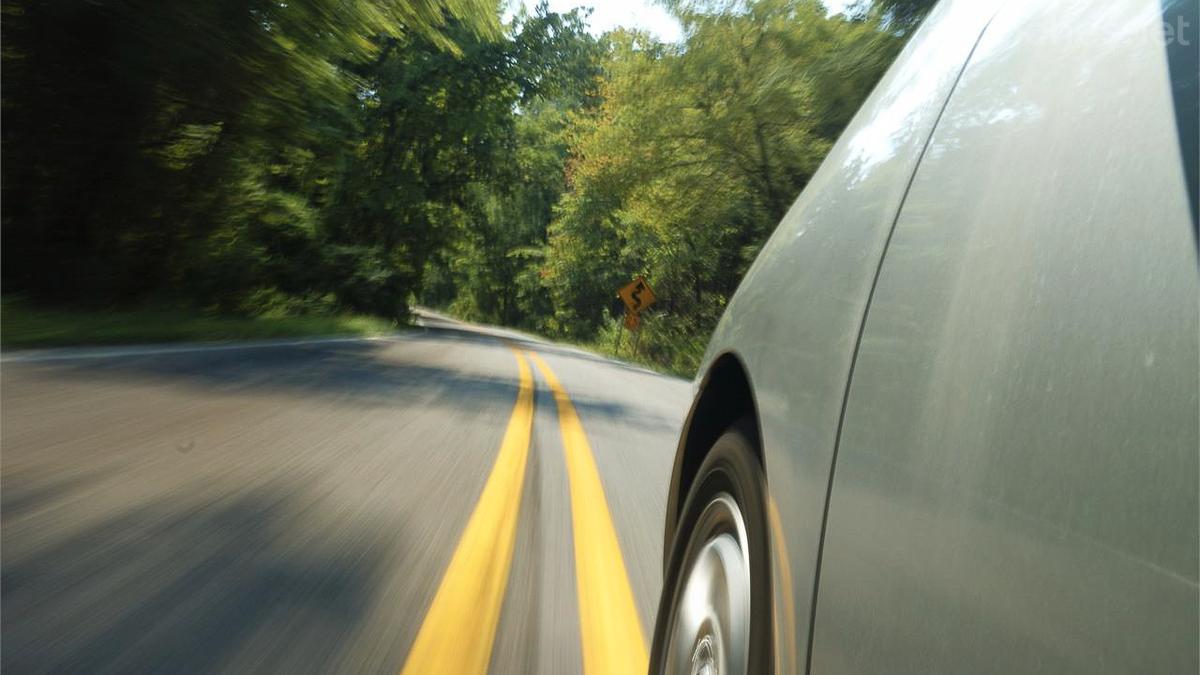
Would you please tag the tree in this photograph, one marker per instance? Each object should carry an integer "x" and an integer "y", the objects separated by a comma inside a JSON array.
[
  {"x": 491, "y": 270},
  {"x": 698, "y": 150},
  {"x": 171, "y": 146},
  {"x": 254, "y": 156}
]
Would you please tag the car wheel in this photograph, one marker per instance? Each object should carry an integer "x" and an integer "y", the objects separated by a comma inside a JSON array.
[{"x": 714, "y": 616}]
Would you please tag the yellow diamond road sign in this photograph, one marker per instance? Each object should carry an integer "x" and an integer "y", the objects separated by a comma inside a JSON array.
[{"x": 636, "y": 295}]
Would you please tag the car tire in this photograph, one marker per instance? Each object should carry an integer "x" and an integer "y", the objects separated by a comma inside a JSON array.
[{"x": 714, "y": 615}]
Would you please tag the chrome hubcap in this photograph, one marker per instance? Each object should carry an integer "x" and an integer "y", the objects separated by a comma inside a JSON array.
[{"x": 710, "y": 633}]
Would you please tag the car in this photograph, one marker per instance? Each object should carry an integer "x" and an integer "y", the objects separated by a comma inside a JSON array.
[{"x": 950, "y": 420}]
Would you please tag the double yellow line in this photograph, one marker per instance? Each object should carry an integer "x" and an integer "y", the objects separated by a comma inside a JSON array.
[{"x": 459, "y": 630}]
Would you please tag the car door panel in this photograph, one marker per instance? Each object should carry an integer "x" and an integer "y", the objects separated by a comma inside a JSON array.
[
  {"x": 795, "y": 318},
  {"x": 1016, "y": 483}
]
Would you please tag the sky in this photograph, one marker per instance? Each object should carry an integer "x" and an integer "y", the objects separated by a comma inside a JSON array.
[{"x": 644, "y": 14}]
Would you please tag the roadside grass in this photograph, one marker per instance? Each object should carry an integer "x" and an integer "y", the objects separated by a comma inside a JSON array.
[
  {"x": 605, "y": 347},
  {"x": 663, "y": 346},
  {"x": 25, "y": 326},
  {"x": 657, "y": 350}
]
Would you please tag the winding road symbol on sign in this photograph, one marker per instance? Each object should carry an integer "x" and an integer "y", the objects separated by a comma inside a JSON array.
[{"x": 637, "y": 295}]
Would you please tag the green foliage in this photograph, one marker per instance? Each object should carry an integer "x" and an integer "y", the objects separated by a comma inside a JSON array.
[
  {"x": 695, "y": 153},
  {"x": 194, "y": 149},
  {"x": 492, "y": 268},
  {"x": 270, "y": 160},
  {"x": 674, "y": 344}
]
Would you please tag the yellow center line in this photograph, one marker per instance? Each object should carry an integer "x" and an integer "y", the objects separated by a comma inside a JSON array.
[
  {"x": 609, "y": 627},
  {"x": 460, "y": 627}
]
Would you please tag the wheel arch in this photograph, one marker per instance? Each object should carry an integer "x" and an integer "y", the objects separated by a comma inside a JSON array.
[{"x": 725, "y": 395}]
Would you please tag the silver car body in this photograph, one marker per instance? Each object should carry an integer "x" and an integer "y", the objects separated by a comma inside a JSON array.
[{"x": 971, "y": 348}]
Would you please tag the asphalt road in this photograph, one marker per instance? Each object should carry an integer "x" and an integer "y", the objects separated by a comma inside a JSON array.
[{"x": 295, "y": 507}]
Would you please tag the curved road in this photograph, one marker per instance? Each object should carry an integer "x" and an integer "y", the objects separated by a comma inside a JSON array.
[{"x": 314, "y": 506}]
